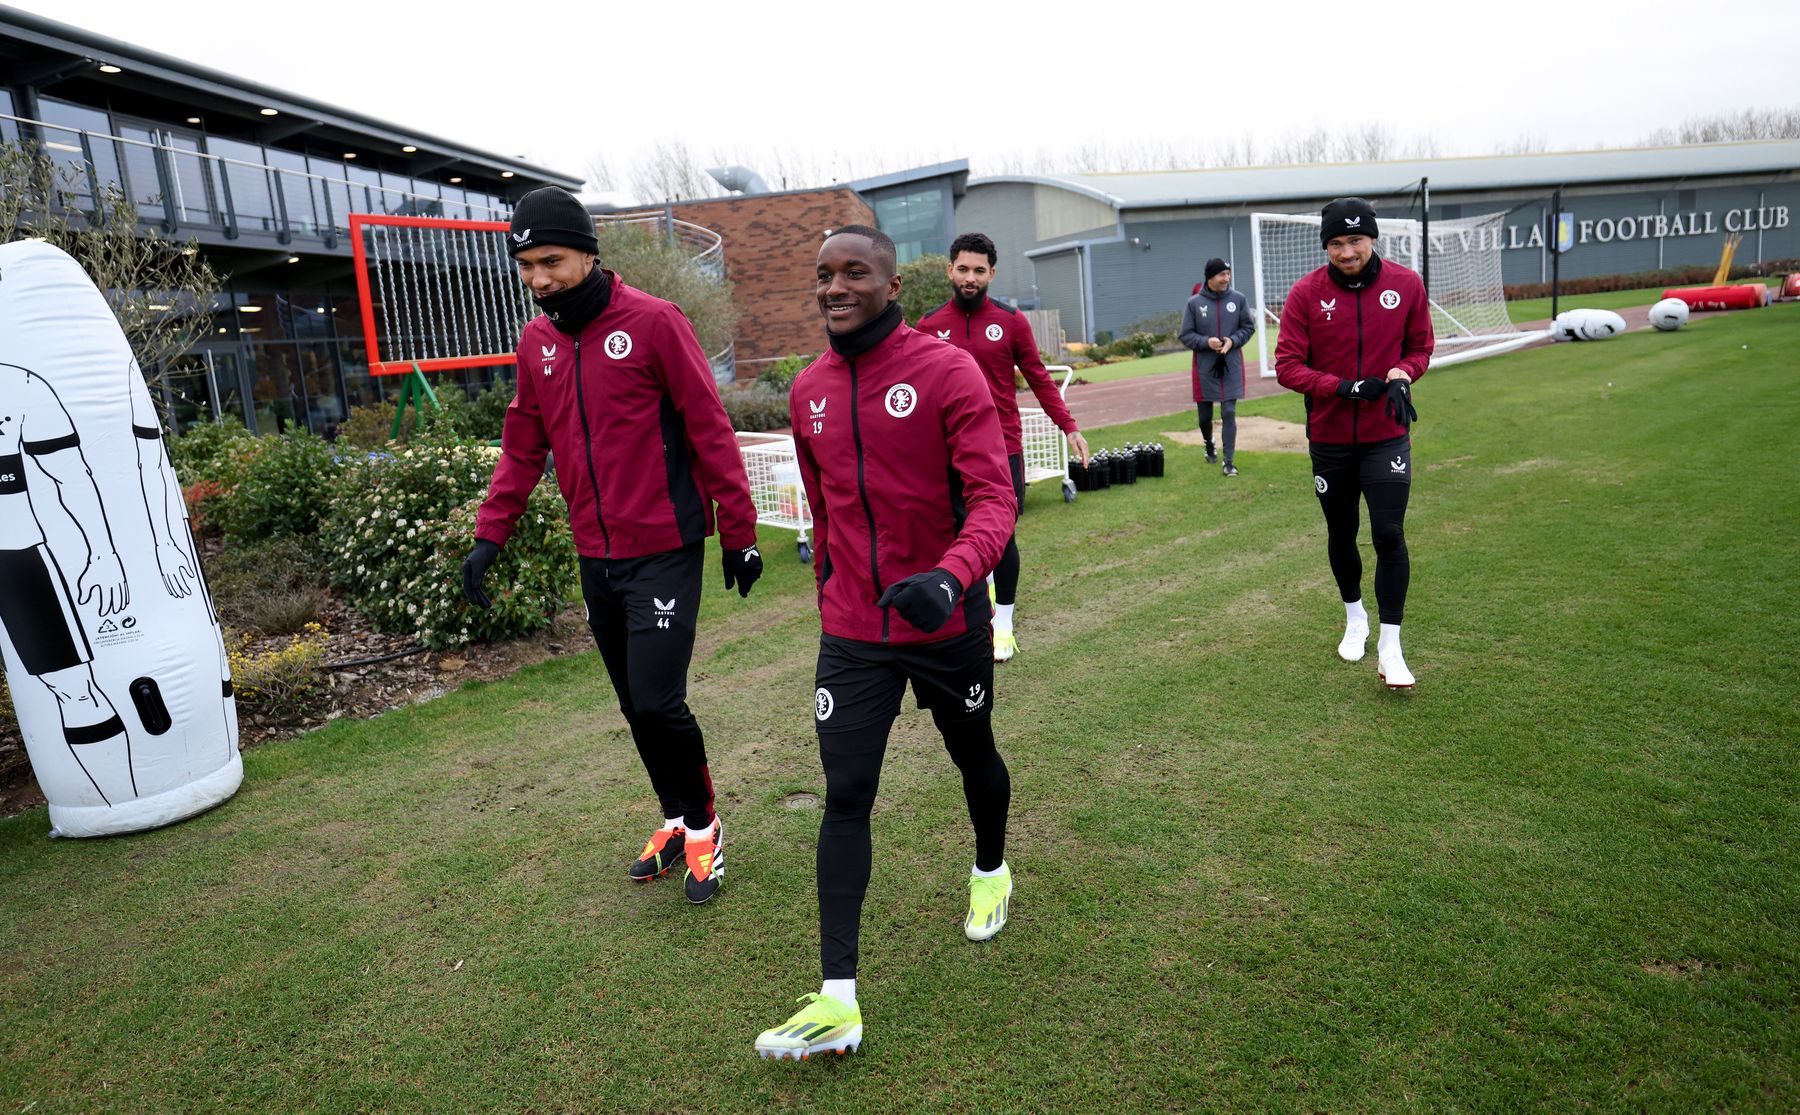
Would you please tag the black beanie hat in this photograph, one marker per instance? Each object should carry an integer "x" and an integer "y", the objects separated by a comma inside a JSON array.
[
  {"x": 551, "y": 215},
  {"x": 1347, "y": 216},
  {"x": 1214, "y": 266}
]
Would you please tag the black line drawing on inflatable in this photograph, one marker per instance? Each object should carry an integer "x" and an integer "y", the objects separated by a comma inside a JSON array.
[
  {"x": 180, "y": 567},
  {"x": 36, "y": 607}
]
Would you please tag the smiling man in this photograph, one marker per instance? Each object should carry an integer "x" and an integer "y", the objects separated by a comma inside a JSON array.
[
  {"x": 1000, "y": 340},
  {"x": 1354, "y": 336},
  {"x": 905, "y": 470},
  {"x": 613, "y": 381}
]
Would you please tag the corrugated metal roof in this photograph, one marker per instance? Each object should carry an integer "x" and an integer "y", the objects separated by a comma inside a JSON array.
[{"x": 1234, "y": 185}]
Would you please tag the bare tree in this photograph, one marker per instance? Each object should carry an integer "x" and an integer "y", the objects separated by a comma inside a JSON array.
[
  {"x": 1725, "y": 127},
  {"x": 161, "y": 291},
  {"x": 669, "y": 172}
]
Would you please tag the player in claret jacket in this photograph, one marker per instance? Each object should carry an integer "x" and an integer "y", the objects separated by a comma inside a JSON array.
[
  {"x": 999, "y": 338},
  {"x": 612, "y": 380},
  {"x": 905, "y": 470},
  {"x": 1354, "y": 336}
]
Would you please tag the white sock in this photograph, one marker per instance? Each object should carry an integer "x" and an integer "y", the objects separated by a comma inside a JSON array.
[
  {"x": 1003, "y": 616},
  {"x": 1390, "y": 637},
  {"x": 670, "y": 824},
  {"x": 980, "y": 874},
  {"x": 1353, "y": 610},
  {"x": 706, "y": 833},
  {"x": 843, "y": 990}
]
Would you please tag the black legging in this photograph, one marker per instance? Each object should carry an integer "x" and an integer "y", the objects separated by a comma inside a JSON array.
[
  {"x": 1228, "y": 418},
  {"x": 1387, "y": 529},
  {"x": 1006, "y": 574},
  {"x": 852, "y": 762}
]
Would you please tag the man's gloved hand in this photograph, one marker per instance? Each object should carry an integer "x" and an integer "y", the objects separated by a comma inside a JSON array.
[
  {"x": 742, "y": 567},
  {"x": 924, "y": 600},
  {"x": 1399, "y": 403},
  {"x": 475, "y": 568},
  {"x": 1368, "y": 388}
]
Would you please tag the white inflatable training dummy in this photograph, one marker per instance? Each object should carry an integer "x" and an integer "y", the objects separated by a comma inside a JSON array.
[
  {"x": 113, "y": 654},
  {"x": 1586, "y": 325}
]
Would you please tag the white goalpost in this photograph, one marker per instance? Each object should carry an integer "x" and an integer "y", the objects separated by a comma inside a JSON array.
[{"x": 1467, "y": 296}]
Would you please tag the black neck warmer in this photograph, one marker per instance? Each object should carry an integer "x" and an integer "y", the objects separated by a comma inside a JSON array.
[
  {"x": 1370, "y": 272},
  {"x": 968, "y": 305},
  {"x": 571, "y": 308},
  {"x": 867, "y": 335}
]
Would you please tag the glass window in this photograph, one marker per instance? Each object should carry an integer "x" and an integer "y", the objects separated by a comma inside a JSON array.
[
  {"x": 296, "y": 190},
  {"x": 70, "y": 149},
  {"x": 143, "y": 181},
  {"x": 324, "y": 399},
  {"x": 331, "y": 193},
  {"x": 247, "y": 179},
  {"x": 195, "y": 200},
  {"x": 365, "y": 190},
  {"x": 275, "y": 387},
  {"x": 360, "y": 388},
  {"x": 9, "y": 129},
  {"x": 191, "y": 390}
]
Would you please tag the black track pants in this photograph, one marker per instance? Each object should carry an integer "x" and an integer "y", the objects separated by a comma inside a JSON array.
[
  {"x": 1227, "y": 421},
  {"x": 643, "y": 612},
  {"x": 1379, "y": 474},
  {"x": 860, "y": 689}
]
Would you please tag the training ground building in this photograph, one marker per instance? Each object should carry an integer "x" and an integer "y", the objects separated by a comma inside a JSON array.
[
  {"x": 1112, "y": 250},
  {"x": 262, "y": 181}
]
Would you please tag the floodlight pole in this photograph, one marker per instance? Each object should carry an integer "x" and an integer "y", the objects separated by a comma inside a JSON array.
[
  {"x": 1555, "y": 249},
  {"x": 1425, "y": 235}
]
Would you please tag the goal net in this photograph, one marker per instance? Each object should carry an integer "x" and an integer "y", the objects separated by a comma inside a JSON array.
[
  {"x": 1467, "y": 297},
  {"x": 437, "y": 293}
]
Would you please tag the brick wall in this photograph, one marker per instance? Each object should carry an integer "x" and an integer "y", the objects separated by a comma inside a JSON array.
[{"x": 771, "y": 248}]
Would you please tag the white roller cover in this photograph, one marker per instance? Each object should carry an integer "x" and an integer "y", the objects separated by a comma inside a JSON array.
[{"x": 113, "y": 653}]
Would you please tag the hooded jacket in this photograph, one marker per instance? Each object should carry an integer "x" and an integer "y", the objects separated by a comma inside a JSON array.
[
  {"x": 905, "y": 471},
  {"x": 643, "y": 446},
  {"x": 1217, "y": 314}
]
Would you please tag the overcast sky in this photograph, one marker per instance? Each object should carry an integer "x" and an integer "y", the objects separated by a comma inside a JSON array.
[{"x": 873, "y": 87}]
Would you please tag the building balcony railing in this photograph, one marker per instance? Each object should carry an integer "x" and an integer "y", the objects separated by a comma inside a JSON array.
[{"x": 182, "y": 189}]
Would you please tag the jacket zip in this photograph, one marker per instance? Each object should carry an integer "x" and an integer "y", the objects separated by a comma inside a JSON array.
[
  {"x": 587, "y": 437},
  {"x": 1356, "y": 404},
  {"x": 862, "y": 490}
]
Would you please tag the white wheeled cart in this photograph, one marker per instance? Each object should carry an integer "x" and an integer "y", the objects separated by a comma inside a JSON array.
[
  {"x": 775, "y": 485},
  {"x": 1046, "y": 450}
]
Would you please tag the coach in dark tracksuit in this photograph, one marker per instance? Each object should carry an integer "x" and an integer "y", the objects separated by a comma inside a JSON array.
[
  {"x": 613, "y": 381},
  {"x": 1215, "y": 324},
  {"x": 1355, "y": 334}
]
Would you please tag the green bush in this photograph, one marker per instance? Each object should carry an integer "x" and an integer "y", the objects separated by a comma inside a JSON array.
[
  {"x": 648, "y": 261},
  {"x": 210, "y": 451},
  {"x": 366, "y": 427},
  {"x": 779, "y": 375},
  {"x": 480, "y": 417},
  {"x": 402, "y": 524},
  {"x": 924, "y": 286},
  {"x": 755, "y": 407},
  {"x": 285, "y": 487},
  {"x": 1135, "y": 347}
]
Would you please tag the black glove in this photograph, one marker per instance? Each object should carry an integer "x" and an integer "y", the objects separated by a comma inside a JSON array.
[
  {"x": 1368, "y": 388},
  {"x": 1399, "y": 403},
  {"x": 742, "y": 567},
  {"x": 475, "y": 568},
  {"x": 924, "y": 600}
]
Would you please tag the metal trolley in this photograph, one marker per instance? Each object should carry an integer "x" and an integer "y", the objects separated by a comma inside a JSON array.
[
  {"x": 775, "y": 485},
  {"x": 1046, "y": 450}
]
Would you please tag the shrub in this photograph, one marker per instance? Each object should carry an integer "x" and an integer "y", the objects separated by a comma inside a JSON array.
[
  {"x": 755, "y": 407},
  {"x": 274, "y": 587},
  {"x": 204, "y": 501},
  {"x": 779, "y": 375},
  {"x": 402, "y": 524},
  {"x": 648, "y": 261},
  {"x": 1134, "y": 347},
  {"x": 366, "y": 427},
  {"x": 282, "y": 683},
  {"x": 924, "y": 286},
  {"x": 210, "y": 451},
  {"x": 284, "y": 488},
  {"x": 1695, "y": 275}
]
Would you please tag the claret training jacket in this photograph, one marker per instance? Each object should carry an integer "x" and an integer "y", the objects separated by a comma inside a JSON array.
[
  {"x": 1333, "y": 331},
  {"x": 643, "y": 447},
  {"x": 999, "y": 337},
  {"x": 905, "y": 471}
]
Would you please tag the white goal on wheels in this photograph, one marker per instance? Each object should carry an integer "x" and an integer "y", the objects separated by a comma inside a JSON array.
[
  {"x": 1468, "y": 298},
  {"x": 776, "y": 487},
  {"x": 1045, "y": 449}
]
